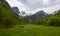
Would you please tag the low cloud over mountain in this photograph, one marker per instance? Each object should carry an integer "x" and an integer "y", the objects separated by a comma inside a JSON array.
[{"x": 31, "y": 6}]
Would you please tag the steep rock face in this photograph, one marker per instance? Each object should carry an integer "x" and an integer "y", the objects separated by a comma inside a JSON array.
[
  {"x": 38, "y": 16},
  {"x": 16, "y": 10}
]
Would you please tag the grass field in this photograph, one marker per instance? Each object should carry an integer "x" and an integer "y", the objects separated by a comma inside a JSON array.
[{"x": 31, "y": 30}]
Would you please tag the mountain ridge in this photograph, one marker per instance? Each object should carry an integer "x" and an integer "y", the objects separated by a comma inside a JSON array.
[
  {"x": 37, "y": 16},
  {"x": 53, "y": 20}
]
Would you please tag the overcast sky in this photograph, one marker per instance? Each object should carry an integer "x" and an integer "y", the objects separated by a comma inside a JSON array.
[{"x": 32, "y": 6}]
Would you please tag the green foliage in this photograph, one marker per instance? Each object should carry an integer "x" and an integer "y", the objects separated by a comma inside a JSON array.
[
  {"x": 54, "y": 21},
  {"x": 51, "y": 21},
  {"x": 7, "y": 17}
]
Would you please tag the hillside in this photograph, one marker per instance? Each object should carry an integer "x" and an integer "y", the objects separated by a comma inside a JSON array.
[
  {"x": 7, "y": 16},
  {"x": 51, "y": 21}
]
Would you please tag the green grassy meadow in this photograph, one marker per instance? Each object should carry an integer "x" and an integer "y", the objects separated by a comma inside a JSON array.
[{"x": 30, "y": 30}]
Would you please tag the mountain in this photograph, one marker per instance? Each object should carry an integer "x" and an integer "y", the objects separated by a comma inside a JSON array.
[
  {"x": 37, "y": 16},
  {"x": 20, "y": 13},
  {"x": 16, "y": 10},
  {"x": 7, "y": 16},
  {"x": 53, "y": 20},
  {"x": 23, "y": 13}
]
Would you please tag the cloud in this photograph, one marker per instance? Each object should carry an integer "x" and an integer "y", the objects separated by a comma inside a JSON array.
[
  {"x": 45, "y": 2},
  {"x": 32, "y": 6},
  {"x": 51, "y": 9},
  {"x": 21, "y": 6},
  {"x": 48, "y": 10},
  {"x": 47, "y": 5}
]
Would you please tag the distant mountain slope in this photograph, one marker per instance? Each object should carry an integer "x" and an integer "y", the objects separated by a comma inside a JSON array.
[
  {"x": 7, "y": 17},
  {"x": 51, "y": 21},
  {"x": 16, "y": 10},
  {"x": 38, "y": 16}
]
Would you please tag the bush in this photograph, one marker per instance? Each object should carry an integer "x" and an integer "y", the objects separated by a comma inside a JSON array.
[{"x": 54, "y": 21}]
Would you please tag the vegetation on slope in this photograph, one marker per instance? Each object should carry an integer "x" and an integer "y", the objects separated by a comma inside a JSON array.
[
  {"x": 7, "y": 17},
  {"x": 52, "y": 21}
]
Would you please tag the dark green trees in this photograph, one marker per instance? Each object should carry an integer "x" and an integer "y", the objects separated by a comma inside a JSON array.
[{"x": 8, "y": 17}]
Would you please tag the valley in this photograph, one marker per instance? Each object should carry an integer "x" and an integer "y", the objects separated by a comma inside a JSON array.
[{"x": 39, "y": 24}]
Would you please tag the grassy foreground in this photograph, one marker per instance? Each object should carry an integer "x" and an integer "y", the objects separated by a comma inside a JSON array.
[{"x": 31, "y": 30}]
